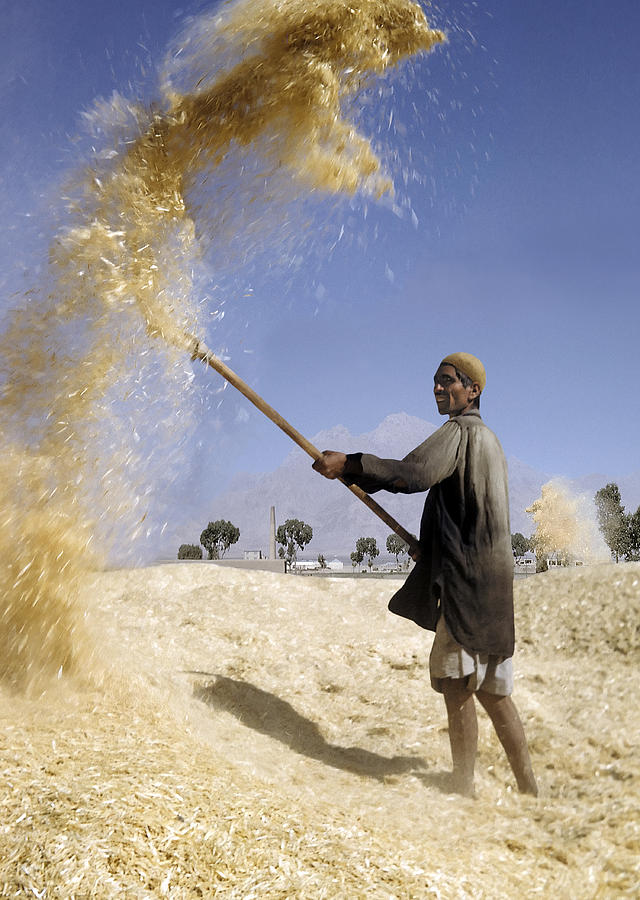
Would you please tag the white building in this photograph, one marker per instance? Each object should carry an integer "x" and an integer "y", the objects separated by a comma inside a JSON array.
[
  {"x": 525, "y": 564},
  {"x": 305, "y": 565},
  {"x": 554, "y": 562}
]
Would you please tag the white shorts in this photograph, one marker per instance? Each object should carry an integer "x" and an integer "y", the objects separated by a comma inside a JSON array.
[{"x": 493, "y": 674}]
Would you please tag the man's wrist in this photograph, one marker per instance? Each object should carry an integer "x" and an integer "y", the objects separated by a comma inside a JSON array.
[{"x": 353, "y": 464}]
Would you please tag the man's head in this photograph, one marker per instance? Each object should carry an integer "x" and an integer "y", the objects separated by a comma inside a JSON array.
[{"x": 458, "y": 383}]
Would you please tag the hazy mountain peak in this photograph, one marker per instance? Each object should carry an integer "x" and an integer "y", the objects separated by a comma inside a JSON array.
[{"x": 338, "y": 518}]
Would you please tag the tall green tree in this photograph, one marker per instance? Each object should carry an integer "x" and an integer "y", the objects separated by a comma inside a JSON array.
[
  {"x": 612, "y": 520},
  {"x": 367, "y": 548},
  {"x": 218, "y": 537},
  {"x": 396, "y": 546},
  {"x": 294, "y": 535},
  {"x": 520, "y": 544}
]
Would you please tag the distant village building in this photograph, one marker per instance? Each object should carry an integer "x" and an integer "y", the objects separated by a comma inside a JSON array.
[
  {"x": 252, "y": 554},
  {"x": 525, "y": 564},
  {"x": 312, "y": 565},
  {"x": 556, "y": 561},
  {"x": 305, "y": 565}
]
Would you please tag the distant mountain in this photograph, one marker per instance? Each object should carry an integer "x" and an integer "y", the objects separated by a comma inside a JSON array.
[{"x": 338, "y": 518}]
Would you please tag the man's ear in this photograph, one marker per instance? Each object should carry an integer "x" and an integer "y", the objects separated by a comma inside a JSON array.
[{"x": 475, "y": 390}]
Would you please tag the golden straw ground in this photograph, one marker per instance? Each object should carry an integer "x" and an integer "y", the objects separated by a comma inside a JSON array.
[{"x": 256, "y": 735}]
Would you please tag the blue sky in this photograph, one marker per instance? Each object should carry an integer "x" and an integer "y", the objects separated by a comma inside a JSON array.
[{"x": 524, "y": 252}]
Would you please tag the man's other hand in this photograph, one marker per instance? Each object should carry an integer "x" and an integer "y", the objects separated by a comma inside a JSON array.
[{"x": 331, "y": 464}]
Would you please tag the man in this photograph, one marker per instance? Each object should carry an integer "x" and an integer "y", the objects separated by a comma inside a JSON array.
[{"x": 462, "y": 584}]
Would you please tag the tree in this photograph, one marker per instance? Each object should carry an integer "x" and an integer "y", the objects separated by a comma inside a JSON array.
[
  {"x": 356, "y": 559},
  {"x": 293, "y": 535},
  {"x": 396, "y": 547},
  {"x": 218, "y": 537},
  {"x": 541, "y": 562},
  {"x": 190, "y": 551},
  {"x": 366, "y": 546},
  {"x": 612, "y": 520},
  {"x": 633, "y": 535},
  {"x": 322, "y": 561},
  {"x": 520, "y": 544}
]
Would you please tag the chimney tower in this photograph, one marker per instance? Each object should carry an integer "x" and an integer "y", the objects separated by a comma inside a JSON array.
[{"x": 272, "y": 533}]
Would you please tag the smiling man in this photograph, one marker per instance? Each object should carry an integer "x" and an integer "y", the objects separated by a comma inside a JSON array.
[{"x": 462, "y": 584}]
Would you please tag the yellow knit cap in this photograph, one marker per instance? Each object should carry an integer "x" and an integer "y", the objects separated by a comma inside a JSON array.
[{"x": 468, "y": 365}]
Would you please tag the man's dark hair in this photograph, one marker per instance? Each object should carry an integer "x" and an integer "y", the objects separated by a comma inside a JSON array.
[{"x": 466, "y": 381}]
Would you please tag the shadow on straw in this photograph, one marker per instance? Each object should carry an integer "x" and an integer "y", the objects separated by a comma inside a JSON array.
[{"x": 268, "y": 714}]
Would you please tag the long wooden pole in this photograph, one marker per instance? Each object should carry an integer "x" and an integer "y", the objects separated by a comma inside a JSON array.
[{"x": 202, "y": 352}]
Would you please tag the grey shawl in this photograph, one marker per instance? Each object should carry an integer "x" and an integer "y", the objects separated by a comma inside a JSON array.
[{"x": 466, "y": 566}]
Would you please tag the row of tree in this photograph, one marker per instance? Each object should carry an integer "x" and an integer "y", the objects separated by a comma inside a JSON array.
[
  {"x": 293, "y": 536},
  {"x": 367, "y": 548},
  {"x": 621, "y": 531},
  {"x": 216, "y": 539},
  {"x": 218, "y": 536}
]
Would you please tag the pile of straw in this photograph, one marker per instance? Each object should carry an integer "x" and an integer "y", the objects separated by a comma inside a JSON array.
[{"x": 255, "y": 735}]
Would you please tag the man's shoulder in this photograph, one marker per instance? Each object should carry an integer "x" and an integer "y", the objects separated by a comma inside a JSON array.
[
  {"x": 476, "y": 429},
  {"x": 471, "y": 419}
]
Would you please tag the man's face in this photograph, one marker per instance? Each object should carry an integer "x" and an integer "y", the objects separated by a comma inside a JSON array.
[{"x": 452, "y": 397}]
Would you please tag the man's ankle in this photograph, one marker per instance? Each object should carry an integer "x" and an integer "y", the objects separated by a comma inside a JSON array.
[{"x": 463, "y": 784}]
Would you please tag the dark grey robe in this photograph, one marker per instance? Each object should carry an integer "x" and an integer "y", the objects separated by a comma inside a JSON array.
[{"x": 466, "y": 567}]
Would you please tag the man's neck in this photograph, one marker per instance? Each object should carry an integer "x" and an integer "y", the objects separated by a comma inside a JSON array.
[{"x": 463, "y": 412}]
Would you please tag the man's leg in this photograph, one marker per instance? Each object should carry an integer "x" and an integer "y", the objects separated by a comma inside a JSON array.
[
  {"x": 506, "y": 721},
  {"x": 463, "y": 732}
]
